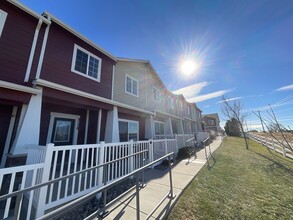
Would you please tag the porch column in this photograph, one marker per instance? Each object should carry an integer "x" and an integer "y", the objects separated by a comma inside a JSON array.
[
  {"x": 149, "y": 128},
  {"x": 168, "y": 124},
  {"x": 28, "y": 131},
  {"x": 112, "y": 126},
  {"x": 179, "y": 125}
]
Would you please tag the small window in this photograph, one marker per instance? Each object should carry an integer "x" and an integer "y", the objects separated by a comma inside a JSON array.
[
  {"x": 181, "y": 106},
  {"x": 188, "y": 110},
  {"x": 131, "y": 85},
  {"x": 157, "y": 95},
  {"x": 86, "y": 64},
  {"x": 159, "y": 128},
  {"x": 3, "y": 16},
  {"x": 128, "y": 130},
  {"x": 193, "y": 111},
  {"x": 171, "y": 103}
]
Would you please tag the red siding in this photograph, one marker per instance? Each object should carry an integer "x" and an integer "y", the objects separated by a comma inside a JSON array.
[
  {"x": 77, "y": 101},
  {"x": 14, "y": 97},
  {"x": 58, "y": 58},
  {"x": 15, "y": 43},
  {"x": 135, "y": 118},
  {"x": 47, "y": 108}
]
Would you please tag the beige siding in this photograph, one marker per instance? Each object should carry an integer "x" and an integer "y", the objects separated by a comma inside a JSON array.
[{"x": 137, "y": 71}]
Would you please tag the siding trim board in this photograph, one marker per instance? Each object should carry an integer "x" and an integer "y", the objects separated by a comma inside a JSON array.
[
  {"x": 3, "y": 16},
  {"x": 20, "y": 88}
]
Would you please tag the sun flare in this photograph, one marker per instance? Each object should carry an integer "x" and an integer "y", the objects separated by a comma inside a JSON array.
[{"x": 189, "y": 66}]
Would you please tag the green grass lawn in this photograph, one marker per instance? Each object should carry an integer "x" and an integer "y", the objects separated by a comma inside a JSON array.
[{"x": 242, "y": 184}]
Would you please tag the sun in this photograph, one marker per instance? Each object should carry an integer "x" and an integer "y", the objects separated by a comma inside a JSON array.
[{"x": 189, "y": 66}]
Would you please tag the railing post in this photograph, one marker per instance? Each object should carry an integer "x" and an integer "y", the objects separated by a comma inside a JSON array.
[
  {"x": 131, "y": 160},
  {"x": 166, "y": 146},
  {"x": 40, "y": 209},
  {"x": 101, "y": 160},
  {"x": 176, "y": 144},
  {"x": 151, "y": 150}
]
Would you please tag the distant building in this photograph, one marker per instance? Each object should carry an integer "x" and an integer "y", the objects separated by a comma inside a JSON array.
[{"x": 211, "y": 122}]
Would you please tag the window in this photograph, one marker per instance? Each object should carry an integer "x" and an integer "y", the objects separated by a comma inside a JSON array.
[
  {"x": 131, "y": 85},
  {"x": 211, "y": 122},
  {"x": 128, "y": 130},
  {"x": 86, "y": 64},
  {"x": 159, "y": 128},
  {"x": 181, "y": 106},
  {"x": 3, "y": 16},
  {"x": 193, "y": 111},
  {"x": 171, "y": 103},
  {"x": 188, "y": 110},
  {"x": 157, "y": 95}
]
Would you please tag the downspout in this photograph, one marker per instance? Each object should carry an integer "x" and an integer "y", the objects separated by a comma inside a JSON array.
[
  {"x": 40, "y": 64},
  {"x": 33, "y": 49}
]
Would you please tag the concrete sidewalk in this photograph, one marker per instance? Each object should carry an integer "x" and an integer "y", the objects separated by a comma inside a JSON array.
[{"x": 158, "y": 186}]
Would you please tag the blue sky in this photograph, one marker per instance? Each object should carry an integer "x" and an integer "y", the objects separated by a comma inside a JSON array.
[{"x": 244, "y": 48}]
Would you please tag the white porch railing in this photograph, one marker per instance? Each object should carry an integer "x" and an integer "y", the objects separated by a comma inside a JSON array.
[
  {"x": 163, "y": 136},
  {"x": 48, "y": 163},
  {"x": 201, "y": 136},
  {"x": 163, "y": 147}
]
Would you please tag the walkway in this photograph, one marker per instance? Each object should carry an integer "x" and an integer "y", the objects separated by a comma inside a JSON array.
[{"x": 158, "y": 185}]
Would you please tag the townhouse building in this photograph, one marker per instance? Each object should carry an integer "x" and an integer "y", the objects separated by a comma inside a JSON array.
[
  {"x": 212, "y": 122},
  {"x": 137, "y": 83},
  {"x": 57, "y": 86}
]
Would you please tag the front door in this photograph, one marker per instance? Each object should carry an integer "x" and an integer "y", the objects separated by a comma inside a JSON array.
[{"x": 63, "y": 131}]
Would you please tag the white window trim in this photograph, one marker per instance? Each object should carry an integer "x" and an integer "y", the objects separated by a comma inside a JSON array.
[
  {"x": 126, "y": 120},
  {"x": 188, "y": 110},
  {"x": 3, "y": 16},
  {"x": 61, "y": 115},
  {"x": 132, "y": 78},
  {"x": 90, "y": 54},
  {"x": 160, "y": 98},
  {"x": 160, "y": 122}
]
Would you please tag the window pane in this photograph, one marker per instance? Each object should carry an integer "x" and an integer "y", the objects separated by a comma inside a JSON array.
[
  {"x": 93, "y": 67},
  {"x": 134, "y": 87},
  {"x": 62, "y": 131},
  {"x": 81, "y": 61},
  {"x": 128, "y": 84},
  {"x": 132, "y": 127},
  {"x": 123, "y": 131}
]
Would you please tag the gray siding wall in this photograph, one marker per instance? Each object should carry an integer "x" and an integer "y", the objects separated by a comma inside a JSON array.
[
  {"x": 137, "y": 71},
  {"x": 152, "y": 104}
]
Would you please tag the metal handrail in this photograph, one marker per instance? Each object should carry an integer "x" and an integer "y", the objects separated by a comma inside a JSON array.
[
  {"x": 65, "y": 177},
  {"x": 73, "y": 204}
]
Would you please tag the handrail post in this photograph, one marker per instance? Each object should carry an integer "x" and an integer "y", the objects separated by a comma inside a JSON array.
[
  {"x": 40, "y": 210},
  {"x": 171, "y": 194},
  {"x": 137, "y": 197}
]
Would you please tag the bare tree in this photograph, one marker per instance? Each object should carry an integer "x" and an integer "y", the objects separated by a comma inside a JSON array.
[
  {"x": 234, "y": 109},
  {"x": 279, "y": 132}
]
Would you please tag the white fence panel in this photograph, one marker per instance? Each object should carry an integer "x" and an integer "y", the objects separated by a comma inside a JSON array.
[
  {"x": 17, "y": 178},
  {"x": 201, "y": 136}
]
